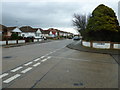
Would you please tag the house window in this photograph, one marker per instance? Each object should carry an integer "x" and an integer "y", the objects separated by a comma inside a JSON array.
[
  {"x": 37, "y": 34},
  {"x": 23, "y": 35}
]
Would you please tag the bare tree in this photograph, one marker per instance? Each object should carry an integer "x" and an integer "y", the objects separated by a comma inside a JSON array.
[{"x": 80, "y": 21}]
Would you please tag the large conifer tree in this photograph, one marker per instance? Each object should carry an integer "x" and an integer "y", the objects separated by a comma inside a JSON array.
[{"x": 103, "y": 25}]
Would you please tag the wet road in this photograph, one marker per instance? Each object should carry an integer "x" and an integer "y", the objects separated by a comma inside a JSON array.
[{"x": 53, "y": 65}]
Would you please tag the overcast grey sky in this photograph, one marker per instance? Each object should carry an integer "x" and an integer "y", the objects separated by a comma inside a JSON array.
[{"x": 49, "y": 13}]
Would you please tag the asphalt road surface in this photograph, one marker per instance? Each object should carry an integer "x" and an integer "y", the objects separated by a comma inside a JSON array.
[{"x": 53, "y": 65}]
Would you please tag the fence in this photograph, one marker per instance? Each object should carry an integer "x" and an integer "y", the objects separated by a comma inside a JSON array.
[
  {"x": 102, "y": 44},
  {"x": 17, "y": 41}
]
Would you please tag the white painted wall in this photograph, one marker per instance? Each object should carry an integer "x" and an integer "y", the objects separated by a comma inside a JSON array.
[
  {"x": 11, "y": 41},
  {"x": 35, "y": 40},
  {"x": 27, "y": 34},
  {"x": 87, "y": 44},
  {"x": 21, "y": 41},
  {"x": 101, "y": 45},
  {"x": 116, "y": 46},
  {"x": 2, "y": 42}
]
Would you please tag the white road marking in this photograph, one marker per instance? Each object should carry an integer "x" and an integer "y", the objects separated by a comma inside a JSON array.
[
  {"x": 37, "y": 59},
  {"x": 54, "y": 51},
  {"x": 26, "y": 70},
  {"x": 42, "y": 56},
  {"x": 11, "y": 78},
  {"x": 47, "y": 54},
  {"x": 3, "y": 75},
  {"x": 28, "y": 63},
  {"x": 35, "y": 65},
  {"x": 51, "y": 52},
  {"x": 49, "y": 57},
  {"x": 14, "y": 70},
  {"x": 43, "y": 60}
]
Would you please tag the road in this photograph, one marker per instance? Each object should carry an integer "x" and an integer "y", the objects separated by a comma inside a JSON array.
[{"x": 53, "y": 65}]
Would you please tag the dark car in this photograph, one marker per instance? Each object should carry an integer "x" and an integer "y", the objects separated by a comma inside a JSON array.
[
  {"x": 29, "y": 39},
  {"x": 70, "y": 37},
  {"x": 76, "y": 38},
  {"x": 45, "y": 38}
]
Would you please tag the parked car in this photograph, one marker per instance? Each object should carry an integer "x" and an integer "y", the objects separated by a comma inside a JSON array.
[
  {"x": 76, "y": 38},
  {"x": 29, "y": 39},
  {"x": 45, "y": 38},
  {"x": 70, "y": 37}
]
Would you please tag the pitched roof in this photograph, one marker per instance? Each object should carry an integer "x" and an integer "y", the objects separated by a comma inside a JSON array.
[
  {"x": 17, "y": 30},
  {"x": 3, "y": 28},
  {"x": 45, "y": 31},
  {"x": 27, "y": 29},
  {"x": 10, "y": 28}
]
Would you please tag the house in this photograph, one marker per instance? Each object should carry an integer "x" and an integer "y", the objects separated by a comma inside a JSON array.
[
  {"x": 3, "y": 30},
  {"x": 11, "y": 30},
  {"x": 7, "y": 31},
  {"x": 29, "y": 31},
  {"x": 53, "y": 32},
  {"x": 45, "y": 33}
]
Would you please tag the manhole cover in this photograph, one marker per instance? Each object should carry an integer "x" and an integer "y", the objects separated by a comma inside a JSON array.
[
  {"x": 78, "y": 84},
  {"x": 7, "y": 57}
]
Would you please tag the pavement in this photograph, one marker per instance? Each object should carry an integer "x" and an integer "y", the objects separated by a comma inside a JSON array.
[{"x": 115, "y": 53}]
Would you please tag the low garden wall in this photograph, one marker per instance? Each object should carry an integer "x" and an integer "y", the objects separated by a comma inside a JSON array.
[
  {"x": 17, "y": 41},
  {"x": 101, "y": 44}
]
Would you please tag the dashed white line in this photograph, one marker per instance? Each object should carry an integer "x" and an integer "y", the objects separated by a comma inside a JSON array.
[
  {"x": 42, "y": 57},
  {"x": 26, "y": 70},
  {"x": 11, "y": 78},
  {"x": 35, "y": 65},
  {"x": 49, "y": 57},
  {"x": 51, "y": 52},
  {"x": 3, "y": 75},
  {"x": 43, "y": 60},
  {"x": 14, "y": 70},
  {"x": 47, "y": 54},
  {"x": 28, "y": 63},
  {"x": 37, "y": 59}
]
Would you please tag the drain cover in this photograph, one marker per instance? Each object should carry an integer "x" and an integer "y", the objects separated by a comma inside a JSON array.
[
  {"x": 7, "y": 57},
  {"x": 78, "y": 84}
]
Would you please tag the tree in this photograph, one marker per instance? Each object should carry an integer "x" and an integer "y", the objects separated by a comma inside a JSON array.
[
  {"x": 102, "y": 25},
  {"x": 14, "y": 36},
  {"x": 80, "y": 21}
]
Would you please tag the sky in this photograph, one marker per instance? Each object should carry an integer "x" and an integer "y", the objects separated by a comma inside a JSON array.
[{"x": 49, "y": 13}]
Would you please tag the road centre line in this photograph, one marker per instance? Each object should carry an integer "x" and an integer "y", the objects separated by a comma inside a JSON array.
[
  {"x": 37, "y": 59},
  {"x": 42, "y": 57},
  {"x": 3, "y": 75},
  {"x": 26, "y": 70},
  {"x": 35, "y": 65},
  {"x": 52, "y": 52},
  {"x": 49, "y": 57},
  {"x": 44, "y": 60},
  {"x": 28, "y": 63},
  {"x": 11, "y": 78},
  {"x": 14, "y": 70}
]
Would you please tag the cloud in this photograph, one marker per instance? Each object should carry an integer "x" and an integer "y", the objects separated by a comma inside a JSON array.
[{"x": 46, "y": 14}]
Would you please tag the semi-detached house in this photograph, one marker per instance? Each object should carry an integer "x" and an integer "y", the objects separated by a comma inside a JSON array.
[
  {"x": 26, "y": 31},
  {"x": 29, "y": 31}
]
